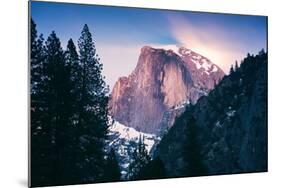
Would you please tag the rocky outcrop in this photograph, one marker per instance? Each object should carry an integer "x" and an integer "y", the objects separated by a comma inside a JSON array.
[{"x": 162, "y": 80}]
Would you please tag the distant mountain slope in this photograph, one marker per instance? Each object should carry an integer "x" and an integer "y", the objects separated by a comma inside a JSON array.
[
  {"x": 124, "y": 140},
  {"x": 162, "y": 80},
  {"x": 226, "y": 130}
]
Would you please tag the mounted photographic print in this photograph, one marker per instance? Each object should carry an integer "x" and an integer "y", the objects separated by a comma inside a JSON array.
[{"x": 124, "y": 94}]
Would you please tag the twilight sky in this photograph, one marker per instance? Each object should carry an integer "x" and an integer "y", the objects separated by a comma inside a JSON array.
[{"x": 119, "y": 32}]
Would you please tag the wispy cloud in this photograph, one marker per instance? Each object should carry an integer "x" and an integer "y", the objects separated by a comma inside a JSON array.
[
  {"x": 210, "y": 40},
  {"x": 120, "y": 33}
]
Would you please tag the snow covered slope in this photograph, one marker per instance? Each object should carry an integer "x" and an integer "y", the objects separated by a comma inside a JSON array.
[{"x": 124, "y": 139}]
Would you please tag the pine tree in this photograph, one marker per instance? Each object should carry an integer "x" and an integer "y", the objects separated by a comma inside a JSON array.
[
  {"x": 193, "y": 160},
  {"x": 72, "y": 60},
  {"x": 231, "y": 70},
  {"x": 68, "y": 112},
  {"x": 155, "y": 169},
  {"x": 236, "y": 66},
  {"x": 40, "y": 131},
  {"x": 71, "y": 136},
  {"x": 140, "y": 159},
  {"x": 58, "y": 96},
  {"x": 92, "y": 110},
  {"x": 37, "y": 57},
  {"x": 112, "y": 170},
  {"x": 262, "y": 52}
]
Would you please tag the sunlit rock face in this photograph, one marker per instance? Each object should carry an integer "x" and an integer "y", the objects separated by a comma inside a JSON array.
[
  {"x": 162, "y": 80},
  {"x": 204, "y": 73}
]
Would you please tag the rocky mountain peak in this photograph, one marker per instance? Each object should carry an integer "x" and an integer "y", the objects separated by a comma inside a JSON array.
[{"x": 163, "y": 78}]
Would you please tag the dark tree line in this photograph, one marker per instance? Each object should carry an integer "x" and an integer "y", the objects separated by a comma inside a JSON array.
[
  {"x": 139, "y": 159},
  {"x": 142, "y": 166},
  {"x": 224, "y": 132},
  {"x": 192, "y": 150},
  {"x": 227, "y": 95},
  {"x": 69, "y": 113}
]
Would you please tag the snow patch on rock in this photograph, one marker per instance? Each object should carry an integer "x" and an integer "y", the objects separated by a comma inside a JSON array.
[
  {"x": 124, "y": 140},
  {"x": 130, "y": 134},
  {"x": 172, "y": 47}
]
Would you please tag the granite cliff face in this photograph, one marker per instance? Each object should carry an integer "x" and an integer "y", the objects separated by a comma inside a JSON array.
[{"x": 164, "y": 79}]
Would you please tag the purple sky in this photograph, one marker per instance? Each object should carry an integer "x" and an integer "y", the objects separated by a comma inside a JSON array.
[{"x": 119, "y": 33}]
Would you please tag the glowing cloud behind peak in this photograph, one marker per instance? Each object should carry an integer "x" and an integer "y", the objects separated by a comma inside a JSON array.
[
  {"x": 120, "y": 32},
  {"x": 221, "y": 44}
]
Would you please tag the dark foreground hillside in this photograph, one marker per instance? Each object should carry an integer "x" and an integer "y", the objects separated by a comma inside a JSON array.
[{"x": 226, "y": 131}]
